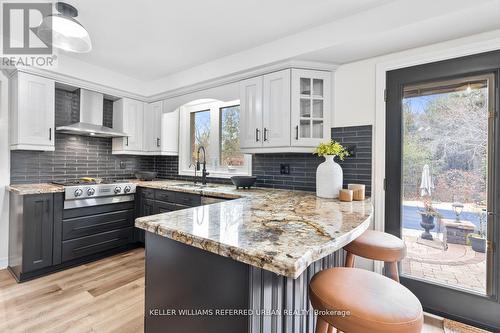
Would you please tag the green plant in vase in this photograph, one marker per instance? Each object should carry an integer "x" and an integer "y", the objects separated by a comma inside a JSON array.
[
  {"x": 332, "y": 148},
  {"x": 329, "y": 175}
]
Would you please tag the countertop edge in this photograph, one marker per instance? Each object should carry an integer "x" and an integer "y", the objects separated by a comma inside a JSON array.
[
  {"x": 229, "y": 251},
  {"x": 43, "y": 188}
]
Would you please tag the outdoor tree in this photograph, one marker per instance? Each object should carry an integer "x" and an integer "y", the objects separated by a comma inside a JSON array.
[{"x": 448, "y": 131}]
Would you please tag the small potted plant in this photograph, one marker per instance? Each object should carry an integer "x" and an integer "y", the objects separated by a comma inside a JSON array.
[
  {"x": 428, "y": 214},
  {"x": 329, "y": 176},
  {"x": 478, "y": 240}
]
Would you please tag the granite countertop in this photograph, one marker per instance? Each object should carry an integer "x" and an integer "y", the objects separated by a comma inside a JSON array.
[
  {"x": 26, "y": 189},
  {"x": 277, "y": 230}
]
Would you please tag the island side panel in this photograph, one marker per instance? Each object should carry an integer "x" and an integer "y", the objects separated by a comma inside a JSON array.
[
  {"x": 180, "y": 276},
  {"x": 287, "y": 299}
]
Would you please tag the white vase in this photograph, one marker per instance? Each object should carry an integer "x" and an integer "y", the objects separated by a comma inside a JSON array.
[{"x": 329, "y": 178}]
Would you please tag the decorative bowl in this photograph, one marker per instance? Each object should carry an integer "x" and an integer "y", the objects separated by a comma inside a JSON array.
[
  {"x": 243, "y": 181},
  {"x": 145, "y": 175}
]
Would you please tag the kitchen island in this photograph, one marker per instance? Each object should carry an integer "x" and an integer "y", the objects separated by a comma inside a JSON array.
[{"x": 242, "y": 265}]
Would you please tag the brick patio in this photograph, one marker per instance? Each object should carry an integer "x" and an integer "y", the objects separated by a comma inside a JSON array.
[{"x": 459, "y": 266}]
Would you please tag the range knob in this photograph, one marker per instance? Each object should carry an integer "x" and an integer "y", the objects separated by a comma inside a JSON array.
[
  {"x": 78, "y": 192},
  {"x": 127, "y": 189},
  {"x": 90, "y": 191},
  {"x": 118, "y": 189}
]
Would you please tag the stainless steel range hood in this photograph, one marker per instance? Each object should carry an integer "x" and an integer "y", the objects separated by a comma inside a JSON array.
[{"x": 91, "y": 117}]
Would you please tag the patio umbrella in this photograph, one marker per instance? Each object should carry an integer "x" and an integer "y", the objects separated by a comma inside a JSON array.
[{"x": 427, "y": 185}]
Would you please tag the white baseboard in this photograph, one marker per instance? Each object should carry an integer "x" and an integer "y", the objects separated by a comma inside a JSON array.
[{"x": 3, "y": 263}]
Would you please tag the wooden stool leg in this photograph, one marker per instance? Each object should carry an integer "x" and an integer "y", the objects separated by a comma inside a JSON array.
[
  {"x": 393, "y": 270},
  {"x": 332, "y": 329},
  {"x": 349, "y": 259},
  {"x": 321, "y": 326}
]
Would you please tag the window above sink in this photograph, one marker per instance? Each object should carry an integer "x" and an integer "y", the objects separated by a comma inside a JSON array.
[{"x": 215, "y": 125}]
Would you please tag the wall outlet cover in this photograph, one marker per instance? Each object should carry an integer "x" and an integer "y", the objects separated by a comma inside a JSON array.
[{"x": 285, "y": 169}]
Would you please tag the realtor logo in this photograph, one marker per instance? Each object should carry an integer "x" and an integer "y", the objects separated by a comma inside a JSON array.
[{"x": 20, "y": 21}]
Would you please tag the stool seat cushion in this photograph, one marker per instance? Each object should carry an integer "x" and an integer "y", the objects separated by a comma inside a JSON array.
[
  {"x": 378, "y": 245},
  {"x": 376, "y": 303}
]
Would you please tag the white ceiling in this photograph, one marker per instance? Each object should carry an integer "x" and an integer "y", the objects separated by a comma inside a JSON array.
[
  {"x": 459, "y": 21},
  {"x": 149, "y": 39}
]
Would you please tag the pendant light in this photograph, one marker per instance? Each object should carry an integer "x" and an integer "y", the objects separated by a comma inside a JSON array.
[{"x": 67, "y": 33}]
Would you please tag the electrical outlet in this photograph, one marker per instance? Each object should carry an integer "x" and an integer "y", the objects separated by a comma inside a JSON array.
[
  {"x": 351, "y": 150},
  {"x": 123, "y": 165},
  {"x": 285, "y": 169}
]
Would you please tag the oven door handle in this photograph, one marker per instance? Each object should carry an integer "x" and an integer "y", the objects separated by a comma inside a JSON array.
[{"x": 89, "y": 202}]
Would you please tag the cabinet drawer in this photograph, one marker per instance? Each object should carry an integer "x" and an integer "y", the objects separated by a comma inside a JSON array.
[
  {"x": 80, "y": 247},
  {"x": 164, "y": 207},
  {"x": 89, "y": 225},
  {"x": 94, "y": 210},
  {"x": 147, "y": 193},
  {"x": 186, "y": 199}
]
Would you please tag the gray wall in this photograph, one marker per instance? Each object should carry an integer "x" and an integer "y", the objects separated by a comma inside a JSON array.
[
  {"x": 75, "y": 156},
  {"x": 357, "y": 168}
]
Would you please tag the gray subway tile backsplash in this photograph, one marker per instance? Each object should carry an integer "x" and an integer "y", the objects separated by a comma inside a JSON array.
[
  {"x": 356, "y": 168},
  {"x": 79, "y": 156},
  {"x": 75, "y": 156}
]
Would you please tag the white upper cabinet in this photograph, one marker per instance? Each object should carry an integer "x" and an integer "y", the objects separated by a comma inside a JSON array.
[
  {"x": 170, "y": 133},
  {"x": 285, "y": 111},
  {"x": 276, "y": 110},
  {"x": 311, "y": 107},
  {"x": 32, "y": 112},
  {"x": 152, "y": 127},
  {"x": 128, "y": 117},
  {"x": 251, "y": 113}
]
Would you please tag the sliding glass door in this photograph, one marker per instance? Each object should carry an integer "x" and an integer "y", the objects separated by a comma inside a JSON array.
[{"x": 442, "y": 184}]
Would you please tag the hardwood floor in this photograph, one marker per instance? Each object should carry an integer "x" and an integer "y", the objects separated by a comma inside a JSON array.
[{"x": 103, "y": 296}]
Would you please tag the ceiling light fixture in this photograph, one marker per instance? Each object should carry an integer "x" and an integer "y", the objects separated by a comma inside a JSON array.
[{"x": 67, "y": 33}]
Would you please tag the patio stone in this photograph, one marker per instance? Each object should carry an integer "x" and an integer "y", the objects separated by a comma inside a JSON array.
[{"x": 459, "y": 266}]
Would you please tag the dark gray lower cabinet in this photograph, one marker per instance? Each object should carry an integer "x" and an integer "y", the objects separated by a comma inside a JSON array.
[
  {"x": 152, "y": 201},
  {"x": 31, "y": 232},
  {"x": 38, "y": 227},
  {"x": 44, "y": 237},
  {"x": 93, "y": 230}
]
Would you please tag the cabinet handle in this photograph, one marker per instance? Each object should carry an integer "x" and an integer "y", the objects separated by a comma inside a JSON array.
[
  {"x": 157, "y": 142},
  {"x": 265, "y": 134},
  {"x": 50, "y": 134},
  {"x": 126, "y": 143},
  {"x": 257, "y": 135},
  {"x": 297, "y": 132}
]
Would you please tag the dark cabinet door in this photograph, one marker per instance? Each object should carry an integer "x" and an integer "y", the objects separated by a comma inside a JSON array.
[
  {"x": 38, "y": 231},
  {"x": 147, "y": 207},
  {"x": 165, "y": 207},
  {"x": 144, "y": 207}
]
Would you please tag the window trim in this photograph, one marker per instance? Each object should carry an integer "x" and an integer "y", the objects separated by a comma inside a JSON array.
[{"x": 186, "y": 167}]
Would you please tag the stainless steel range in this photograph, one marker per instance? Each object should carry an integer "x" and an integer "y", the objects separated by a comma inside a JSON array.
[{"x": 80, "y": 193}]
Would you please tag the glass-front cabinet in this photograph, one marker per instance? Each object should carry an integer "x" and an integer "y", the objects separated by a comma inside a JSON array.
[
  {"x": 310, "y": 103},
  {"x": 285, "y": 111}
]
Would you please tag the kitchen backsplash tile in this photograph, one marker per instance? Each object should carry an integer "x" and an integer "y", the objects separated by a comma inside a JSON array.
[
  {"x": 80, "y": 156},
  {"x": 357, "y": 168},
  {"x": 168, "y": 166}
]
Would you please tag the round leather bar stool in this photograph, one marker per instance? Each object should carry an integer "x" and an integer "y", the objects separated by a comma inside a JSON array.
[
  {"x": 377, "y": 245},
  {"x": 354, "y": 300}
]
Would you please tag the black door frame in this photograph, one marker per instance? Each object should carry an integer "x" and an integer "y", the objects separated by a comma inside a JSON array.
[{"x": 451, "y": 303}]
